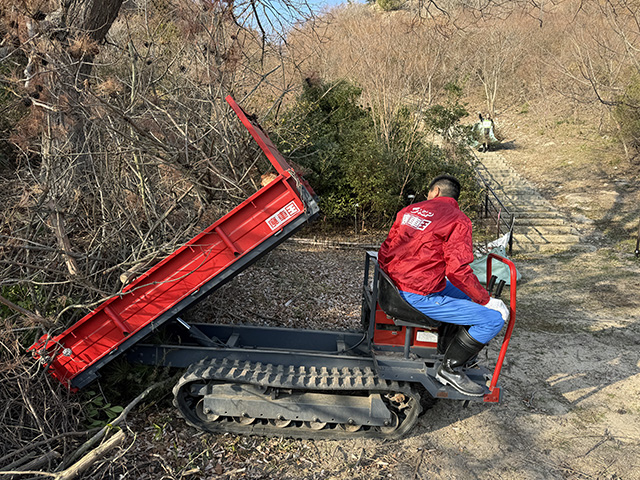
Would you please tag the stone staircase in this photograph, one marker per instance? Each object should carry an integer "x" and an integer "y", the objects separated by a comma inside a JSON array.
[{"x": 539, "y": 226}]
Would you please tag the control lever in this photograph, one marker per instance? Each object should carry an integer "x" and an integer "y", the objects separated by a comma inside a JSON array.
[{"x": 492, "y": 282}]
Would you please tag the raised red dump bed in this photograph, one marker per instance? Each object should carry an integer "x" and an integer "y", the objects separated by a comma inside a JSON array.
[{"x": 206, "y": 262}]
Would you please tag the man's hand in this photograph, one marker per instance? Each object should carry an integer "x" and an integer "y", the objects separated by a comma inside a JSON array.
[{"x": 499, "y": 306}]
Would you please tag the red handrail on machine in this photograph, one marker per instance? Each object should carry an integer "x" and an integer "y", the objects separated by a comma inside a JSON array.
[{"x": 494, "y": 393}]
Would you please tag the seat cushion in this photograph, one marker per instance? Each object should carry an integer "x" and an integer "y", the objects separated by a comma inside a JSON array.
[{"x": 397, "y": 307}]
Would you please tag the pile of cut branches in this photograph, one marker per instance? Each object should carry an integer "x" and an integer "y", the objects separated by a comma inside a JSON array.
[{"x": 41, "y": 423}]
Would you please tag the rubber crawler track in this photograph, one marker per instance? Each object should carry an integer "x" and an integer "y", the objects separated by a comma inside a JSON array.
[{"x": 307, "y": 379}]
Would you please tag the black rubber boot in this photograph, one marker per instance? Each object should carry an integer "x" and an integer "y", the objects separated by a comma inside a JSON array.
[
  {"x": 446, "y": 333},
  {"x": 462, "y": 348}
]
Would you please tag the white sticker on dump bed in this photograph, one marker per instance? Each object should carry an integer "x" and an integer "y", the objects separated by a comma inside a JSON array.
[
  {"x": 281, "y": 216},
  {"x": 424, "y": 336}
]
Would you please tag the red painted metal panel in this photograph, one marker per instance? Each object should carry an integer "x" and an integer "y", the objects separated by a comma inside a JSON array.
[
  {"x": 250, "y": 224},
  {"x": 388, "y": 334},
  {"x": 274, "y": 156}
]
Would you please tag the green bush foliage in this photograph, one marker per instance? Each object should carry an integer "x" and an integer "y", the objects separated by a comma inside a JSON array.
[
  {"x": 445, "y": 119},
  {"x": 98, "y": 411},
  {"x": 333, "y": 139}
]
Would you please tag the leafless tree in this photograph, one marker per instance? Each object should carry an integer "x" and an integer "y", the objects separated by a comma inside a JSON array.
[{"x": 496, "y": 50}]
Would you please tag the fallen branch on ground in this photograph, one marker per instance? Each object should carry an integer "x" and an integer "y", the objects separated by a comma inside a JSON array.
[
  {"x": 85, "y": 462},
  {"x": 17, "y": 308},
  {"x": 86, "y": 455},
  {"x": 116, "y": 422}
]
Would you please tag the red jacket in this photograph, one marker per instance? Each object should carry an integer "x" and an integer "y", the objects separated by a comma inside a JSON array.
[{"x": 428, "y": 241}]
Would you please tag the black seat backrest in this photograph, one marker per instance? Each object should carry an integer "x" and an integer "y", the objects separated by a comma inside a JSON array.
[{"x": 397, "y": 307}]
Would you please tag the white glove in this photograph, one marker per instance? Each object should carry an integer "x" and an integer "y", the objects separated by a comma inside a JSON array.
[{"x": 499, "y": 306}]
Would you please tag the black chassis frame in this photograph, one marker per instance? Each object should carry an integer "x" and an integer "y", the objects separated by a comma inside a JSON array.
[{"x": 310, "y": 348}]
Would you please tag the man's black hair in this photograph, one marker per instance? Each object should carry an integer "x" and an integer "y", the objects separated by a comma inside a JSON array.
[{"x": 449, "y": 186}]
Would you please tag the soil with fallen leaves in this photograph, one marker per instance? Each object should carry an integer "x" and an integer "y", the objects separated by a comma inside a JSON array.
[{"x": 571, "y": 380}]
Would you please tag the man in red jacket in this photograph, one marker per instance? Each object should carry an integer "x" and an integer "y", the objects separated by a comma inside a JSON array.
[{"x": 427, "y": 255}]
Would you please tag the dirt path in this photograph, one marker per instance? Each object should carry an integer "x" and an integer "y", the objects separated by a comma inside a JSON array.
[
  {"x": 571, "y": 380},
  {"x": 572, "y": 383},
  {"x": 571, "y": 405}
]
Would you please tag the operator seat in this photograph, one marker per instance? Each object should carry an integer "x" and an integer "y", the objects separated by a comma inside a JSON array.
[{"x": 396, "y": 307}]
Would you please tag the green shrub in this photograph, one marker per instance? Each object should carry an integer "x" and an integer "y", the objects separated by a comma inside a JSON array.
[
  {"x": 445, "y": 119},
  {"x": 333, "y": 138},
  {"x": 98, "y": 411},
  {"x": 419, "y": 161}
]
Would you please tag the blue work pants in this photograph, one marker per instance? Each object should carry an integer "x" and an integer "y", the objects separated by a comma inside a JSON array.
[{"x": 452, "y": 305}]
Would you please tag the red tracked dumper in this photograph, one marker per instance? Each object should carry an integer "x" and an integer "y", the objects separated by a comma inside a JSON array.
[{"x": 265, "y": 380}]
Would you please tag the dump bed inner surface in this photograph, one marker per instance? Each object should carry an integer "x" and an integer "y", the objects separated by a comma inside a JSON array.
[{"x": 196, "y": 269}]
